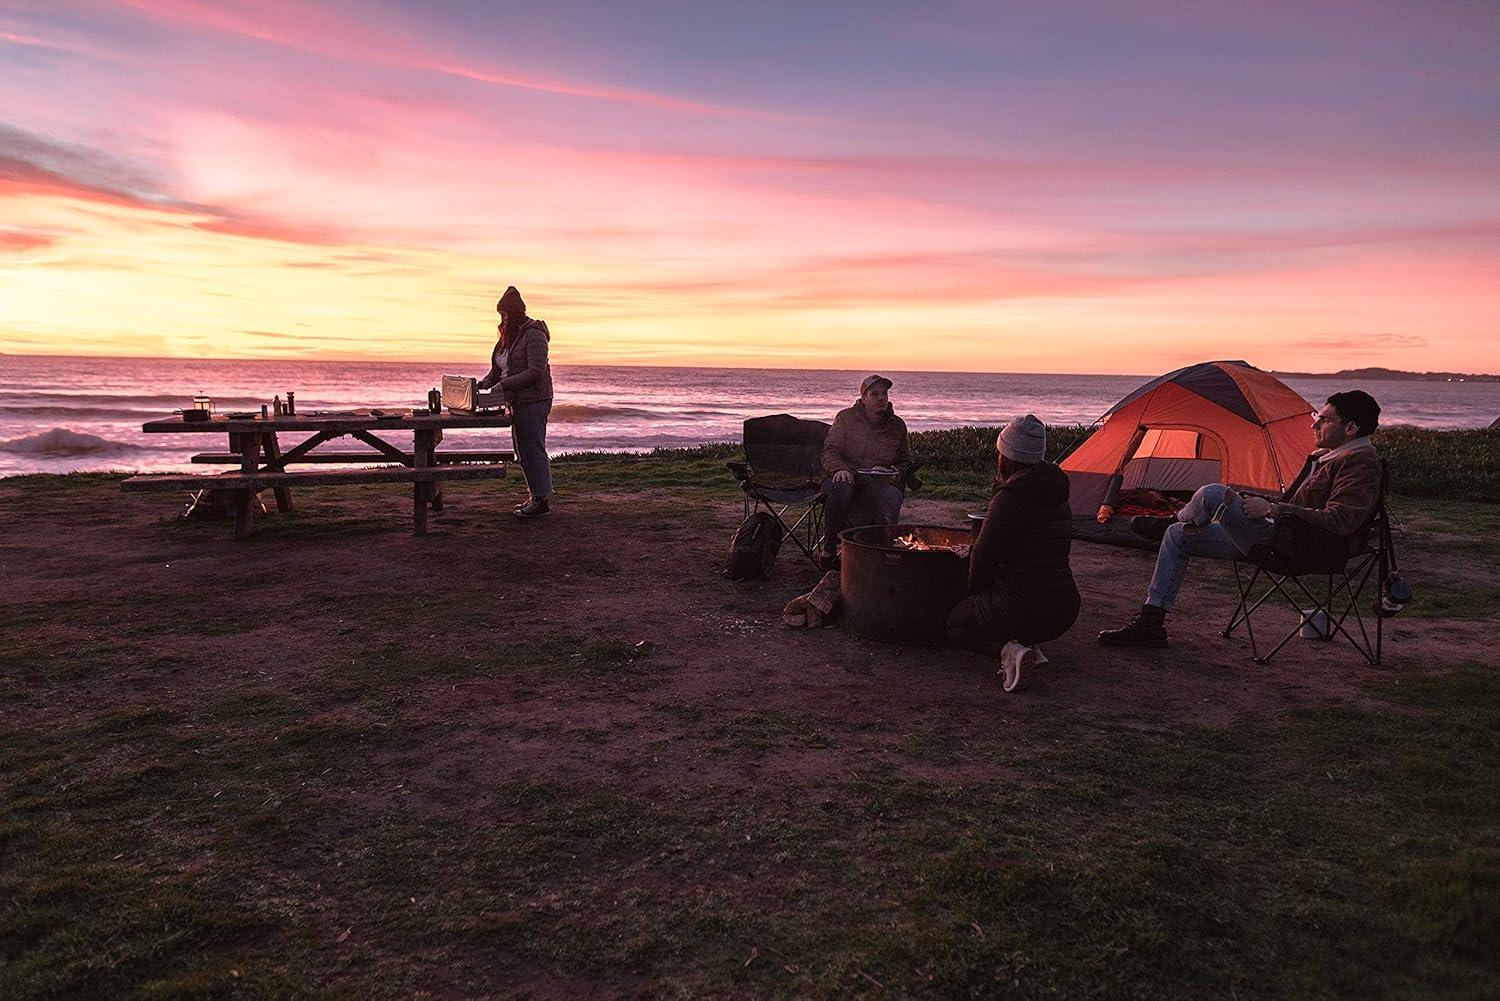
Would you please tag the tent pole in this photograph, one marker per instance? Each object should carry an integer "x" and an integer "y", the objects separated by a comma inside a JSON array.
[{"x": 1112, "y": 489}]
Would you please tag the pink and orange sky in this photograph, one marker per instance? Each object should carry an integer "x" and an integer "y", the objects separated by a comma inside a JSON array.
[{"x": 1124, "y": 186}]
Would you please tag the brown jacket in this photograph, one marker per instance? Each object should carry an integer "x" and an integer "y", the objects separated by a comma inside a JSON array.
[
  {"x": 854, "y": 442},
  {"x": 527, "y": 375},
  {"x": 1337, "y": 496}
]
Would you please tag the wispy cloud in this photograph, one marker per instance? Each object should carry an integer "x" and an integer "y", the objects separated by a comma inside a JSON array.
[
  {"x": 27, "y": 158},
  {"x": 20, "y": 241},
  {"x": 35, "y": 165},
  {"x": 307, "y": 27},
  {"x": 1356, "y": 345}
]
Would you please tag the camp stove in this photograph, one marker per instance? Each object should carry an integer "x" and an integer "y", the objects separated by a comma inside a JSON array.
[{"x": 462, "y": 393}]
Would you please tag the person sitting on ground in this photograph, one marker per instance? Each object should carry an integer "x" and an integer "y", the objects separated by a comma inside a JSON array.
[
  {"x": 867, "y": 436},
  {"x": 1336, "y": 495},
  {"x": 520, "y": 367},
  {"x": 1021, "y": 588}
]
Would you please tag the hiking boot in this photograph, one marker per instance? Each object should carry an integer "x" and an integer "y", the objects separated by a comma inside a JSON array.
[
  {"x": 534, "y": 508},
  {"x": 1151, "y": 526},
  {"x": 1148, "y": 630}
]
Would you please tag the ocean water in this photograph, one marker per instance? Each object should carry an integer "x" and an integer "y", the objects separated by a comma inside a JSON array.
[{"x": 66, "y": 414}]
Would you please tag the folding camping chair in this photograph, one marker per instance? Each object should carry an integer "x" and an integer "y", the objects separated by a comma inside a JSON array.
[
  {"x": 1326, "y": 586},
  {"x": 782, "y": 472}
]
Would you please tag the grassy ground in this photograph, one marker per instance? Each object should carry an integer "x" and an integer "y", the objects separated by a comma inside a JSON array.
[
  {"x": 1341, "y": 853},
  {"x": 179, "y": 821}
]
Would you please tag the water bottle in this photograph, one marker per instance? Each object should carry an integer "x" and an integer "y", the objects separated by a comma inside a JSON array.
[{"x": 1394, "y": 596}]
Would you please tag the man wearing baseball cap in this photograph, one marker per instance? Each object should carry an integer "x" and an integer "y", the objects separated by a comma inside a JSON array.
[{"x": 866, "y": 464}]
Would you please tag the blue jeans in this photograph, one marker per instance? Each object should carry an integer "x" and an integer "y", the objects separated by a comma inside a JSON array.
[
  {"x": 866, "y": 501},
  {"x": 528, "y": 430},
  {"x": 1197, "y": 534}
]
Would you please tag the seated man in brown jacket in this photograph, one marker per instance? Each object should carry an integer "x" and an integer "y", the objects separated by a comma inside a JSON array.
[
  {"x": 1336, "y": 494},
  {"x": 866, "y": 436}
]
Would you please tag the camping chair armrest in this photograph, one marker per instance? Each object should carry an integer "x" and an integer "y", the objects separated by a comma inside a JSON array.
[
  {"x": 1299, "y": 547},
  {"x": 741, "y": 470},
  {"x": 908, "y": 479}
]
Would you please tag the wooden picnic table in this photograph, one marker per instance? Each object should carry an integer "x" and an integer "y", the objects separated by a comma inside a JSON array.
[{"x": 255, "y": 448}]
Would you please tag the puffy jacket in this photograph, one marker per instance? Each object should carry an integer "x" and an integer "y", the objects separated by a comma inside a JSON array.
[
  {"x": 1019, "y": 563},
  {"x": 522, "y": 370},
  {"x": 856, "y": 442}
]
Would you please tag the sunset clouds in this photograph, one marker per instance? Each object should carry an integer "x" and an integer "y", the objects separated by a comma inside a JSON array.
[{"x": 952, "y": 188}]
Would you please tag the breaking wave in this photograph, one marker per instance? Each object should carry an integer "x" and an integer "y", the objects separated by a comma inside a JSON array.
[
  {"x": 62, "y": 443},
  {"x": 570, "y": 412}
]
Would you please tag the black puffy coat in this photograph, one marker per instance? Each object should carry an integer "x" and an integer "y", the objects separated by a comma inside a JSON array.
[{"x": 1018, "y": 569}]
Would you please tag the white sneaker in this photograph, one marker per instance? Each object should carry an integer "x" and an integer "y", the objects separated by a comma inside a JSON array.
[{"x": 1017, "y": 661}]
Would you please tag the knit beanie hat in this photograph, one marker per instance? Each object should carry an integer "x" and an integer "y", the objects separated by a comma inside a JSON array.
[
  {"x": 511, "y": 302},
  {"x": 1023, "y": 440}
]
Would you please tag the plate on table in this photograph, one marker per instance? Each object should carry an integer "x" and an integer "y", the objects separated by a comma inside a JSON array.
[
  {"x": 247, "y": 415},
  {"x": 879, "y": 472}
]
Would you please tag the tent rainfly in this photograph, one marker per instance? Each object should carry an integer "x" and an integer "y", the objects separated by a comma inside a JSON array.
[{"x": 1215, "y": 422}]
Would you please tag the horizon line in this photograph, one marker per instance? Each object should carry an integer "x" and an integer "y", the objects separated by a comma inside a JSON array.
[{"x": 737, "y": 368}]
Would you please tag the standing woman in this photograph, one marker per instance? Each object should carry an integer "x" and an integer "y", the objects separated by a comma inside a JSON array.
[{"x": 519, "y": 366}]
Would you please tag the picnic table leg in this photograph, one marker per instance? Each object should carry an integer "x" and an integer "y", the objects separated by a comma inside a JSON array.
[
  {"x": 419, "y": 509},
  {"x": 273, "y": 461},
  {"x": 436, "y": 487},
  {"x": 421, "y": 493},
  {"x": 247, "y": 444},
  {"x": 244, "y": 513}
]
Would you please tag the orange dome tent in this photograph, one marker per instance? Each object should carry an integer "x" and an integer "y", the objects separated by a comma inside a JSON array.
[{"x": 1215, "y": 422}]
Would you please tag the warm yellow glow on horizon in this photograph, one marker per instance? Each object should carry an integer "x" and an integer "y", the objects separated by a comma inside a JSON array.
[{"x": 116, "y": 277}]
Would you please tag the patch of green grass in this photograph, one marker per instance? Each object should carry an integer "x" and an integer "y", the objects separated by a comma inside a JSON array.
[
  {"x": 1433, "y": 600},
  {"x": 1446, "y": 527},
  {"x": 1340, "y": 852},
  {"x": 939, "y": 748}
]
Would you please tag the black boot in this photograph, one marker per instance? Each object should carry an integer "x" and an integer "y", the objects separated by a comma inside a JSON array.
[
  {"x": 1151, "y": 526},
  {"x": 534, "y": 508},
  {"x": 1148, "y": 629}
]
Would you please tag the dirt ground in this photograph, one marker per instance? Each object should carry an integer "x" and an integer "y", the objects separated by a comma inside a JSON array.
[
  {"x": 531, "y": 633},
  {"x": 644, "y": 567}
]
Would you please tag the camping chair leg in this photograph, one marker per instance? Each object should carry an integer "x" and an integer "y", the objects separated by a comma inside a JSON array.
[
  {"x": 811, "y": 527},
  {"x": 1247, "y": 608},
  {"x": 802, "y": 526},
  {"x": 1244, "y": 587},
  {"x": 1379, "y": 635},
  {"x": 1351, "y": 593},
  {"x": 1278, "y": 586},
  {"x": 1336, "y": 624}
]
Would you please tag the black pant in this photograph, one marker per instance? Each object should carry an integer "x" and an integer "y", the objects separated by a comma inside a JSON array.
[
  {"x": 987, "y": 633},
  {"x": 968, "y": 631}
]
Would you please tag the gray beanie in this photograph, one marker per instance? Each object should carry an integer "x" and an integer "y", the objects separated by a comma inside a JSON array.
[{"x": 1023, "y": 440}]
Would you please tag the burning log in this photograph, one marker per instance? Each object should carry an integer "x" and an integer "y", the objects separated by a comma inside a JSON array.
[{"x": 914, "y": 543}]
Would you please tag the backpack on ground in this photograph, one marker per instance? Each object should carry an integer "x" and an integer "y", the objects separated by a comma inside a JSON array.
[{"x": 752, "y": 551}]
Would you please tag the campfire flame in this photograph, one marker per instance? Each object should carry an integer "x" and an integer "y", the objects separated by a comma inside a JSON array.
[{"x": 910, "y": 541}]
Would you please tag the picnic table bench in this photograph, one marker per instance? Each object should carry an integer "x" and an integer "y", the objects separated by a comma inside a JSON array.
[{"x": 255, "y": 448}]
